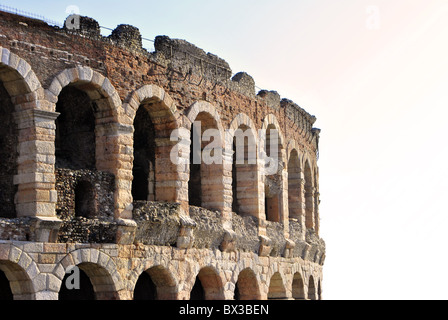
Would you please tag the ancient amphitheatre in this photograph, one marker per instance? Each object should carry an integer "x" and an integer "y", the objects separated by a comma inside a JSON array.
[{"x": 87, "y": 178}]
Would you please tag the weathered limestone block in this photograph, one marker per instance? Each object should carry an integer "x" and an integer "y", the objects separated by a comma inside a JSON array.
[{"x": 265, "y": 246}]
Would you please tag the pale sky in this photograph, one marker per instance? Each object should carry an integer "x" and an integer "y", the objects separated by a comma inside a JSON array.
[{"x": 375, "y": 74}]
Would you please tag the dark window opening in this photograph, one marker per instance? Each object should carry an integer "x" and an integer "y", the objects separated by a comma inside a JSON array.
[
  {"x": 8, "y": 155},
  {"x": 143, "y": 185},
  {"x": 75, "y": 130},
  {"x": 198, "y": 292},
  {"x": 85, "y": 204},
  {"x": 195, "y": 182},
  {"x": 145, "y": 289},
  {"x": 5, "y": 288},
  {"x": 85, "y": 291}
]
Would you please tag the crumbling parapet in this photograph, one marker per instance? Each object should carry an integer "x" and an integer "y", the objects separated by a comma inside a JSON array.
[
  {"x": 83, "y": 26},
  {"x": 244, "y": 83},
  {"x": 127, "y": 36},
  {"x": 187, "y": 59}
]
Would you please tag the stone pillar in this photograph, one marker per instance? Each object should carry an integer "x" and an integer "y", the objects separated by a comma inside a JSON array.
[
  {"x": 316, "y": 211},
  {"x": 309, "y": 205},
  {"x": 302, "y": 217},
  {"x": 284, "y": 205},
  {"x": 179, "y": 158},
  {"x": 114, "y": 154},
  {"x": 36, "y": 196}
]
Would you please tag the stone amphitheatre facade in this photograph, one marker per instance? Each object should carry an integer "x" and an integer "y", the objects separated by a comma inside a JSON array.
[{"x": 87, "y": 179}]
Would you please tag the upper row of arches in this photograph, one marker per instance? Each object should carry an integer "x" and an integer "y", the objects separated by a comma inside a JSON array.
[{"x": 92, "y": 131}]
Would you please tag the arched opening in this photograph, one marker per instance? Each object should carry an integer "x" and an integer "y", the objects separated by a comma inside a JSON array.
[
  {"x": 294, "y": 186},
  {"x": 205, "y": 186},
  {"x": 311, "y": 289},
  {"x": 277, "y": 289},
  {"x": 309, "y": 197},
  {"x": 95, "y": 283},
  {"x": 5, "y": 288},
  {"x": 85, "y": 202},
  {"x": 244, "y": 172},
  {"x": 15, "y": 283},
  {"x": 83, "y": 290},
  {"x": 195, "y": 182},
  {"x": 8, "y": 153},
  {"x": 75, "y": 130},
  {"x": 273, "y": 182},
  {"x": 247, "y": 286},
  {"x": 319, "y": 291},
  {"x": 298, "y": 288},
  {"x": 145, "y": 289},
  {"x": 143, "y": 184},
  {"x": 198, "y": 292},
  {"x": 208, "y": 286},
  {"x": 316, "y": 202},
  {"x": 155, "y": 284}
]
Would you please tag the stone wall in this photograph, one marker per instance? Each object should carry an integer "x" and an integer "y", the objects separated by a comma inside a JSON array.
[{"x": 77, "y": 101}]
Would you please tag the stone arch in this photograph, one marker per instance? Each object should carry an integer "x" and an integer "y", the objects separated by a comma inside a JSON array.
[
  {"x": 277, "y": 289},
  {"x": 316, "y": 200},
  {"x": 246, "y": 287},
  {"x": 153, "y": 115},
  {"x": 99, "y": 267},
  {"x": 209, "y": 181},
  {"x": 165, "y": 285},
  {"x": 20, "y": 271},
  {"x": 110, "y": 135},
  {"x": 271, "y": 120},
  {"x": 209, "y": 284},
  {"x": 319, "y": 290},
  {"x": 102, "y": 93},
  {"x": 164, "y": 280},
  {"x": 246, "y": 186},
  {"x": 275, "y": 195},
  {"x": 28, "y": 116},
  {"x": 309, "y": 194},
  {"x": 298, "y": 287},
  {"x": 205, "y": 107},
  {"x": 98, "y": 87},
  {"x": 312, "y": 292},
  {"x": 295, "y": 186},
  {"x": 20, "y": 79}
]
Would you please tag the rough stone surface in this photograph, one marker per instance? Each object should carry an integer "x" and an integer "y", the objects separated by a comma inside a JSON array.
[{"x": 78, "y": 108}]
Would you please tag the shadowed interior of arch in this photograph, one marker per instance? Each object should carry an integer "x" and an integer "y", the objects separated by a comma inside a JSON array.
[
  {"x": 246, "y": 287},
  {"x": 95, "y": 284},
  {"x": 244, "y": 173},
  {"x": 15, "y": 283},
  {"x": 8, "y": 154},
  {"x": 298, "y": 289},
  {"x": 75, "y": 130},
  {"x": 5, "y": 288},
  {"x": 294, "y": 186},
  {"x": 204, "y": 182},
  {"x": 155, "y": 283},
  {"x": 208, "y": 286},
  {"x": 309, "y": 197},
  {"x": 143, "y": 184},
  {"x": 273, "y": 182},
  {"x": 277, "y": 290}
]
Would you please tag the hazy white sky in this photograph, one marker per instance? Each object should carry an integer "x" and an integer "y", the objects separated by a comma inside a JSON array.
[{"x": 375, "y": 73}]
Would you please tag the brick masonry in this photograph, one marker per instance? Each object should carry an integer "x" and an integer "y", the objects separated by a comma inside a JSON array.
[{"x": 82, "y": 213}]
